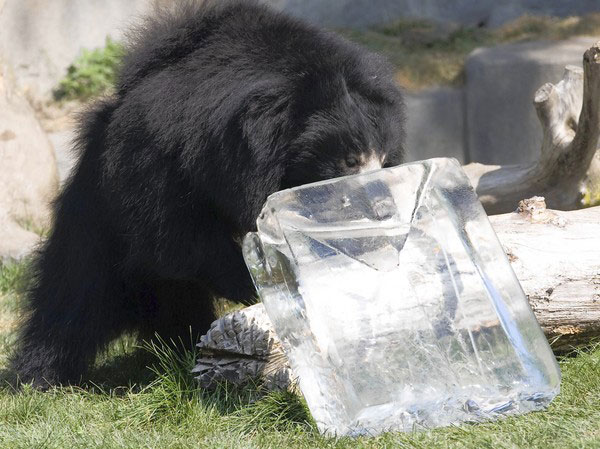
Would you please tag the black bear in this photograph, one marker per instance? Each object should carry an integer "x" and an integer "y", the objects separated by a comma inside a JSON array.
[{"x": 218, "y": 105}]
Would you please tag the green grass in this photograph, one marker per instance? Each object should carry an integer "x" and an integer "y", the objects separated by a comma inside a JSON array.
[
  {"x": 426, "y": 54},
  {"x": 93, "y": 73},
  {"x": 125, "y": 405},
  {"x": 12, "y": 277}
]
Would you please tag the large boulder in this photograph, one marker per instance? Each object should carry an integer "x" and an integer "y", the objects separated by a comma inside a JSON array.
[
  {"x": 40, "y": 39},
  {"x": 28, "y": 175},
  {"x": 501, "y": 83},
  {"x": 435, "y": 124}
]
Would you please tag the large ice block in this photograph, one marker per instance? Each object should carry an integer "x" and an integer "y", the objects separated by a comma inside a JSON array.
[{"x": 396, "y": 304}]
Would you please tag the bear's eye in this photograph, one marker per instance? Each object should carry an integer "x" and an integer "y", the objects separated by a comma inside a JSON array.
[{"x": 351, "y": 161}]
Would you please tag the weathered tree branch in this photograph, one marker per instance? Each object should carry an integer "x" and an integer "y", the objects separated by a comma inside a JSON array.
[
  {"x": 569, "y": 166},
  {"x": 556, "y": 256}
]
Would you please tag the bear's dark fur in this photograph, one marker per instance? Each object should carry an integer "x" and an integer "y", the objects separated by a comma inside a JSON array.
[{"x": 217, "y": 106}]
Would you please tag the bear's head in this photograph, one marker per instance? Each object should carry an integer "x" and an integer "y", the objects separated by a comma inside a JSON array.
[{"x": 347, "y": 118}]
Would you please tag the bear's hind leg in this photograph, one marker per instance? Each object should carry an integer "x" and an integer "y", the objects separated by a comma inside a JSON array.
[
  {"x": 65, "y": 328},
  {"x": 75, "y": 306},
  {"x": 179, "y": 311}
]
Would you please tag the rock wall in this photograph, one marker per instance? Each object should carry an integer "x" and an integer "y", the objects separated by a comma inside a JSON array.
[{"x": 360, "y": 13}]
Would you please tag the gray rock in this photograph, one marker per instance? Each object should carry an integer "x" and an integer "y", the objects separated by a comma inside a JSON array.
[
  {"x": 501, "y": 83},
  {"x": 40, "y": 39},
  {"x": 435, "y": 124},
  {"x": 28, "y": 176}
]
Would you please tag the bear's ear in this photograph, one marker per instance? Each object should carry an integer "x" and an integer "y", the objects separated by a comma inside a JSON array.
[{"x": 265, "y": 117}]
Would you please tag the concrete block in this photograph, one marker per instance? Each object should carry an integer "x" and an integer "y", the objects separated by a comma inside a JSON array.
[{"x": 435, "y": 124}]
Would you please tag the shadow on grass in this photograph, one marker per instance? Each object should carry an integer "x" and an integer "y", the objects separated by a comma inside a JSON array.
[
  {"x": 118, "y": 372},
  {"x": 121, "y": 371},
  {"x": 8, "y": 380}
]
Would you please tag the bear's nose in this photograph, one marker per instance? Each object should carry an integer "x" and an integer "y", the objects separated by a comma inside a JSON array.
[{"x": 371, "y": 163}]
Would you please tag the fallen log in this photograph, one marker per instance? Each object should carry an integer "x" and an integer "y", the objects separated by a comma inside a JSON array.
[
  {"x": 567, "y": 173},
  {"x": 555, "y": 255}
]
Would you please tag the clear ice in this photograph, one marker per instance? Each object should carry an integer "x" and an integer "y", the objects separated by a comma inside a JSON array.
[{"x": 396, "y": 304}]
